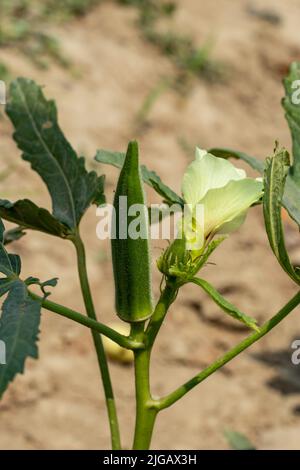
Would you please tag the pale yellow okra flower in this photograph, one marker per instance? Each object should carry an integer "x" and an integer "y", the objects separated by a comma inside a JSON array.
[{"x": 218, "y": 196}]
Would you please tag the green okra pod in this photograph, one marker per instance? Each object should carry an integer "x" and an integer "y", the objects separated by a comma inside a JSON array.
[{"x": 130, "y": 243}]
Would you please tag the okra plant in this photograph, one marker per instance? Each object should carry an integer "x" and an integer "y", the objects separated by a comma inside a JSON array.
[{"x": 214, "y": 202}]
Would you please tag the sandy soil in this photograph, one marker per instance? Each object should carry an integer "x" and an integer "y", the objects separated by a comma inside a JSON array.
[{"x": 58, "y": 403}]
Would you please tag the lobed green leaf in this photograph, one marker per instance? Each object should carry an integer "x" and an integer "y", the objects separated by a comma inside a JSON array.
[
  {"x": 276, "y": 172},
  {"x": 291, "y": 105},
  {"x": 38, "y": 135},
  {"x": 6, "y": 284},
  {"x": 28, "y": 215},
  {"x": 36, "y": 281},
  {"x": 292, "y": 189},
  {"x": 19, "y": 329},
  {"x": 6, "y": 266},
  {"x": 13, "y": 235},
  {"x": 256, "y": 164},
  {"x": 116, "y": 159},
  {"x": 20, "y": 318}
]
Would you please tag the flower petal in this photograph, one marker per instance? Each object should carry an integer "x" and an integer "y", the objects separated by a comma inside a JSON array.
[
  {"x": 207, "y": 172},
  {"x": 224, "y": 205},
  {"x": 233, "y": 224}
]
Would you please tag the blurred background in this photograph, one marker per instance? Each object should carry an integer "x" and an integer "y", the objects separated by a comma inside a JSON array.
[{"x": 173, "y": 75}]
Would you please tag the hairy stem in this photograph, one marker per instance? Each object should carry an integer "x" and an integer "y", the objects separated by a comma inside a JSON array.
[
  {"x": 102, "y": 360},
  {"x": 66, "y": 312},
  {"x": 146, "y": 406},
  {"x": 168, "y": 296},
  {"x": 246, "y": 343},
  {"x": 145, "y": 411}
]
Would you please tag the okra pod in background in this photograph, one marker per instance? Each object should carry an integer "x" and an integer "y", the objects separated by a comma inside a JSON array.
[{"x": 131, "y": 253}]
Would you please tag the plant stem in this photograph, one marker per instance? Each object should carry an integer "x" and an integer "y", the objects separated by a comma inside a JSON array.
[
  {"x": 146, "y": 406},
  {"x": 102, "y": 360},
  {"x": 145, "y": 411},
  {"x": 122, "y": 340},
  {"x": 168, "y": 296},
  {"x": 268, "y": 326}
]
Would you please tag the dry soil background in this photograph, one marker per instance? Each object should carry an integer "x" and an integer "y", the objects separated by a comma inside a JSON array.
[{"x": 59, "y": 403}]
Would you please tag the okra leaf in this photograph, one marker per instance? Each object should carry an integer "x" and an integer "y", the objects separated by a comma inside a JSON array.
[
  {"x": 49, "y": 283},
  {"x": 291, "y": 197},
  {"x": 154, "y": 181},
  {"x": 6, "y": 266},
  {"x": 291, "y": 105},
  {"x": 5, "y": 263},
  {"x": 256, "y": 164},
  {"x": 37, "y": 133},
  {"x": 13, "y": 234},
  {"x": 224, "y": 304},
  {"x": 149, "y": 177},
  {"x": 275, "y": 177},
  {"x": 6, "y": 284},
  {"x": 28, "y": 215},
  {"x": 10, "y": 264},
  {"x": 15, "y": 262},
  {"x": 19, "y": 330},
  {"x": 20, "y": 317},
  {"x": 109, "y": 157}
]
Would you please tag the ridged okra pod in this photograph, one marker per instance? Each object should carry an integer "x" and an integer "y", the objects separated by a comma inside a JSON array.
[{"x": 130, "y": 243}]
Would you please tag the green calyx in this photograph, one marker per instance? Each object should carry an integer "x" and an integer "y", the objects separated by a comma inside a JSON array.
[{"x": 178, "y": 263}]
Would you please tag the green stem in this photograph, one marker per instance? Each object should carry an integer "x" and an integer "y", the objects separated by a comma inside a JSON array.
[
  {"x": 168, "y": 296},
  {"x": 102, "y": 361},
  {"x": 146, "y": 406},
  {"x": 66, "y": 312},
  {"x": 268, "y": 326},
  {"x": 145, "y": 409}
]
